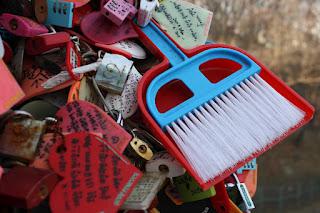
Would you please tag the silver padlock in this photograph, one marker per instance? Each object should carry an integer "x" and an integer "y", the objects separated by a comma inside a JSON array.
[{"x": 113, "y": 72}]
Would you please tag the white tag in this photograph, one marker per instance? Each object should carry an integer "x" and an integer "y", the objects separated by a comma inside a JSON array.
[
  {"x": 134, "y": 49},
  {"x": 1, "y": 48},
  {"x": 144, "y": 192},
  {"x": 245, "y": 196},
  {"x": 145, "y": 11},
  {"x": 126, "y": 103},
  {"x": 56, "y": 80}
]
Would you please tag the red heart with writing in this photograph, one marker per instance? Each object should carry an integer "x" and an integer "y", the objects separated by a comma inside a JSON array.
[
  {"x": 82, "y": 116},
  {"x": 96, "y": 177}
]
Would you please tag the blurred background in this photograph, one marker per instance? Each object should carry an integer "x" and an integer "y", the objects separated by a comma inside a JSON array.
[{"x": 285, "y": 36}]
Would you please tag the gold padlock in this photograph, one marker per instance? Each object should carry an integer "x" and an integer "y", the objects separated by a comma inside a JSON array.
[{"x": 141, "y": 148}]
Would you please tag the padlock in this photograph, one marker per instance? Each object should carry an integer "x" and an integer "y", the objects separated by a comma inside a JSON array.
[
  {"x": 145, "y": 191},
  {"x": 60, "y": 13},
  {"x": 40, "y": 10},
  {"x": 140, "y": 149},
  {"x": 247, "y": 200},
  {"x": 20, "y": 137},
  {"x": 164, "y": 162},
  {"x": 21, "y": 26},
  {"x": 113, "y": 72},
  {"x": 189, "y": 190},
  {"x": 252, "y": 165},
  {"x": 42, "y": 43},
  {"x": 118, "y": 10},
  {"x": 26, "y": 187},
  {"x": 147, "y": 7}
]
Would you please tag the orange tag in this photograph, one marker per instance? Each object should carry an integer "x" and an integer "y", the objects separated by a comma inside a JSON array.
[
  {"x": 11, "y": 92},
  {"x": 35, "y": 77}
]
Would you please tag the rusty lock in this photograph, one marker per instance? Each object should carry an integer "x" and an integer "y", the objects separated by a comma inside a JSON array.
[{"x": 20, "y": 136}]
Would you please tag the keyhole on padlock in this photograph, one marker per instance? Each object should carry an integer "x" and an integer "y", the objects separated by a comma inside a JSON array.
[
  {"x": 43, "y": 191},
  {"x": 163, "y": 168},
  {"x": 13, "y": 24},
  {"x": 143, "y": 148},
  {"x": 41, "y": 9}
]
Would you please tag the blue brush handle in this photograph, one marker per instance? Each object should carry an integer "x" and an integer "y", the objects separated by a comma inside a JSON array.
[
  {"x": 166, "y": 46},
  {"x": 203, "y": 90}
]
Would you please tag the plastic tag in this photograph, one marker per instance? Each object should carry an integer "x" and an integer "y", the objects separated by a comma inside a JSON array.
[
  {"x": 81, "y": 116},
  {"x": 186, "y": 23},
  {"x": 96, "y": 177},
  {"x": 189, "y": 190},
  {"x": 21, "y": 26},
  {"x": 146, "y": 9},
  {"x": 131, "y": 47},
  {"x": 144, "y": 192},
  {"x": 126, "y": 103},
  {"x": 34, "y": 77},
  {"x": 99, "y": 29},
  {"x": 113, "y": 72},
  {"x": 11, "y": 92}
]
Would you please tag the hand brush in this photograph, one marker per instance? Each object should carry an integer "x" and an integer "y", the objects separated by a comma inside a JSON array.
[{"x": 223, "y": 123}]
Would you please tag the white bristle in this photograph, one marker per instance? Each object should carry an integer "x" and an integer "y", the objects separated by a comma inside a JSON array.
[{"x": 233, "y": 126}]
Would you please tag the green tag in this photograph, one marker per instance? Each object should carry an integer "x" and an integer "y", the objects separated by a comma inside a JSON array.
[
  {"x": 189, "y": 190},
  {"x": 186, "y": 23}
]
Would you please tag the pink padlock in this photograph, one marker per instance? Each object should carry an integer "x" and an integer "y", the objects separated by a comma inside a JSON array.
[
  {"x": 21, "y": 26},
  {"x": 118, "y": 10}
]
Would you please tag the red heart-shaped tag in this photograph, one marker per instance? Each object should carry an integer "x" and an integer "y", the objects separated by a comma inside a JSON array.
[
  {"x": 96, "y": 177},
  {"x": 82, "y": 116}
]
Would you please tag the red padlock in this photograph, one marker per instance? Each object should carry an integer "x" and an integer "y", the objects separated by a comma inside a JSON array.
[
  {"x": 42, "y": 43},
  {"x": 26, "y": 187}
]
